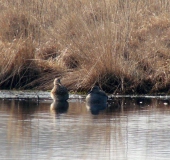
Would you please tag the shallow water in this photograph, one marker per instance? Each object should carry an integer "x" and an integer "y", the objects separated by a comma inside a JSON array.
[{"x": 129, "y": 128}]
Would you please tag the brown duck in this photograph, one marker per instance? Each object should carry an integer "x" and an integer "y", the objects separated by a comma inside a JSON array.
[{"x": 59, "y": 92}]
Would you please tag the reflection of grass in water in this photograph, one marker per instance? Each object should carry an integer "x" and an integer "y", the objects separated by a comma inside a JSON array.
[
  {"x": 124, "y": 46},
  {"x": 19, "y": 116}
]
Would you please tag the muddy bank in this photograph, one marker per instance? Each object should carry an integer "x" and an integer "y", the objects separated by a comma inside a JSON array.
[
  {"x": 45, "y": 95},
  {"x": 32, "y": 95}
]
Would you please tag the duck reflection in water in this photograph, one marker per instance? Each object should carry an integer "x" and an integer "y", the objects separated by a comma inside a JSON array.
[
  {"x": 95, "y": 108},
  {"x": 59, "y": 106},
  {"x": 96, "y": 100}
]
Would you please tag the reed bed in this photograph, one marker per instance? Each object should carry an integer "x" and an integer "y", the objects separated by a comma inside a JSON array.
[{"x": 122, "y": 45}]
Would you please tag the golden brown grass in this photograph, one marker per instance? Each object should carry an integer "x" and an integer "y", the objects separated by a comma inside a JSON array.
[{"x": 123, "y": 45}]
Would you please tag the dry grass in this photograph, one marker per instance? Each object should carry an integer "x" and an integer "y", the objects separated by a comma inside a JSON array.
[{"x": 123, "y": 46}]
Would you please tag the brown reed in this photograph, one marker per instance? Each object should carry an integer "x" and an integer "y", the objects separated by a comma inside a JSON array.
[{"x": 122, "y": 45}]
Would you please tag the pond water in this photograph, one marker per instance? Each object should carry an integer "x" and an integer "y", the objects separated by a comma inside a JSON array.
[{"x": 129, "y": 128}]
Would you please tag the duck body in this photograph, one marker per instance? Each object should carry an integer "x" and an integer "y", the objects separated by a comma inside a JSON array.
[
  {"x": 96, "y": 96},
  {"x": 59, "y": 92}
]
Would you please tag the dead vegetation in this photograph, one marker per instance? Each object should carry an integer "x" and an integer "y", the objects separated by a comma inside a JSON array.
[{"x": 124, "y": 46}]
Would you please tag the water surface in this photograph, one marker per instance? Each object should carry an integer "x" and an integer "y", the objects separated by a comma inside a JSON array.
[{"x": 130, "y": 128}]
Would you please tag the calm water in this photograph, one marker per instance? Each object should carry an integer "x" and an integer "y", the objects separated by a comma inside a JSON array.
[{"x": 130, "y": 128}]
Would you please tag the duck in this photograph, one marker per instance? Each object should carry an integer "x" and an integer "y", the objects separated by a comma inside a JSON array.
[
  {"x": 59, "y": 92},
  {"x": 96, "y": 96}
]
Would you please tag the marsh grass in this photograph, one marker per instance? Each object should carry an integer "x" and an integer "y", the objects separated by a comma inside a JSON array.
[{"x": 123, "y": 46}]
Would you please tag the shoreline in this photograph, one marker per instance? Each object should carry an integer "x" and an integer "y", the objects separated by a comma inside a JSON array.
[{"x": 45, "y": 95}]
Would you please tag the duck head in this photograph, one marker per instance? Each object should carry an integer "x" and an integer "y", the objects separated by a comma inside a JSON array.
[
  {"x": 57, "y": 81},
  {"x": 95, "y": 89}
]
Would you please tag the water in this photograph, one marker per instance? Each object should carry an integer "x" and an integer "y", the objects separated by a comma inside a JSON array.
[{"x": 130, "y": 128}]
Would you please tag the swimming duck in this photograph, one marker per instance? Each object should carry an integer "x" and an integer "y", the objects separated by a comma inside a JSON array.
[
  {"x": 96, "y": 96},
  {"x": 59, "y": 92}
]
